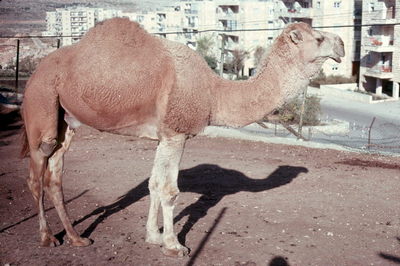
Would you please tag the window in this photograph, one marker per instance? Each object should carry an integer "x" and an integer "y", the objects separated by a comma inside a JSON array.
[
  {"x": 371, "y": 7},
  {"x": 319, "y": 4},
  {"x": 336, "y": 4}
]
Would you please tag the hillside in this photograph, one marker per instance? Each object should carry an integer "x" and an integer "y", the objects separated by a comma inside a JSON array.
[{"x": 28, "y": 16}]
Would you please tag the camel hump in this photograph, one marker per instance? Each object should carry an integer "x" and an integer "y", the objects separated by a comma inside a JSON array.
[{"x": 116, "y": 30}]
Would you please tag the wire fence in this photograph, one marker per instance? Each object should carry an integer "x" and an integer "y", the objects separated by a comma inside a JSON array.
[{"x": 378, "y": 135}]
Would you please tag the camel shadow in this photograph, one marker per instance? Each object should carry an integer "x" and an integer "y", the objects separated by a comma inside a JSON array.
[
  {"x": 10, "y": 125},
  {"x": 210, "y": 181},
  {"x": 213, "y": 183}
]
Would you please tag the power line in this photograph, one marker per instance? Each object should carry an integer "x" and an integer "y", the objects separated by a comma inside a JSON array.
[
  {"x": 209, "y": 30},
  {"x": 324, "y": 15}
]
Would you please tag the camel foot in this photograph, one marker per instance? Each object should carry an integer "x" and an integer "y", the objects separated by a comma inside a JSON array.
[
  {"x": 80, "y": 242},
  {"x": 49, "y": 241},
  {"x": 180, "y": 251},
  {"x": 154, "y": 238}
]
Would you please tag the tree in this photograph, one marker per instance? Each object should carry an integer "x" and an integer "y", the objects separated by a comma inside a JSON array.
[
  {"x": 236, "y": 64},
  {"x": 258, "y": 55},
  {"x": 204, "y": 47}
]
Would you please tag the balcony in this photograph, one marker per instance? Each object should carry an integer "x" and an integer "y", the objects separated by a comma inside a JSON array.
[
  {"x": 227, "y": 12},
  {"x": 228, "y": 16},
  {"x": 380, "y": 44},
  {"x": 231, "y": 45},
  {"x": 295, "y": 12},
  {"x": 384, "y": 16},
  {"x": 380, "y": 71},
  {"x": 191, "y": 12}
]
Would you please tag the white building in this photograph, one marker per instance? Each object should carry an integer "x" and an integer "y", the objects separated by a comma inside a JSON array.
[
  {"x": 380, "y": 49},
  {"x": 74, "y": 22},
  {"x": 338, "y": 17},
  {"x": 236, "y": 21}
]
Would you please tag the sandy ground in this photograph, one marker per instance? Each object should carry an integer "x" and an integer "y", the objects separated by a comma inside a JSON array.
[{"x": 242, "y": 203}]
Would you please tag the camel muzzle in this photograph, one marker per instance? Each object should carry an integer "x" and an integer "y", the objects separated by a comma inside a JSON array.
[{"x": 338, "y": 49}]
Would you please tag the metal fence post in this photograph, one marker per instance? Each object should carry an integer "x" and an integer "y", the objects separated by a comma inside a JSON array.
[
  {"x": 369, "y": 132},
  {"x": 58, "y": 43},
  {"x": 302, "y": 111},
  {"x": 17, "y": 68}
]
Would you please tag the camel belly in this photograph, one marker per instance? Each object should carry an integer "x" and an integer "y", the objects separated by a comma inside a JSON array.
[{"x": 134, "y": 122}]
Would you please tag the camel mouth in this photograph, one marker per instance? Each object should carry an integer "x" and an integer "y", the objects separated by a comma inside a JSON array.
[{"x": 337, "y": 58}]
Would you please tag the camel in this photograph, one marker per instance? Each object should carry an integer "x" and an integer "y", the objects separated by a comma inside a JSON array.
[{"x": 122, "y": 80}]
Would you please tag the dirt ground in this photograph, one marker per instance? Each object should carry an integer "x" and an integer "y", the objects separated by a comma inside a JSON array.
[{"x": 241, "y": 203}]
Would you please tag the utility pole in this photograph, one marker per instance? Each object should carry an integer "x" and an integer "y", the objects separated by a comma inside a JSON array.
[{"x": 221, "y": 65}]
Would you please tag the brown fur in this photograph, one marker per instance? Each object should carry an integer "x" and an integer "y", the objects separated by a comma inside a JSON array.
[{"x": 120, "y": 79}]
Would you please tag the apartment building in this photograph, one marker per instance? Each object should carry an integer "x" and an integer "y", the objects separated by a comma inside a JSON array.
[
  {"x": 239, "y": 19},
  {"x": 74, "y": 22},
  {"x": 338, "y": 17},
  {"x": 147, "y": 19},
  {"x": 380, "y": 47},
  {"x": 235, "y": 20}
]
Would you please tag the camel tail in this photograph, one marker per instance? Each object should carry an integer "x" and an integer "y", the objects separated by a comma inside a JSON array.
[{"x": 24, "y": 145}]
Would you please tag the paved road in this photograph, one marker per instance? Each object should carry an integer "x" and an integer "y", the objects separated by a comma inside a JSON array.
[
  {"x": 386, "y": 127},
  {"x": 361, "y": 113}
]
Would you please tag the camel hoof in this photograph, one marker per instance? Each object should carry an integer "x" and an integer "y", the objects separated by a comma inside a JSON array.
[
  {"x": 80, "y": 242},
  {"x": 155, "y": 239},
  {"x": 49, "y": 241},
  {"x": 176, "y": 252}
]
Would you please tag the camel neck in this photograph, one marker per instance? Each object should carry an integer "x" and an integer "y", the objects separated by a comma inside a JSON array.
[{"x": 239, "y": 103}]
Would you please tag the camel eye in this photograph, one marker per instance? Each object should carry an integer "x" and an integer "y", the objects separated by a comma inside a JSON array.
[{"x": 320, "y": 39}]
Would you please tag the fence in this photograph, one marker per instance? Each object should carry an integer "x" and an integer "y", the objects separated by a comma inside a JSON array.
[
  {"x": 380, "y": 136},
  {"x": 374, "y": 134}
]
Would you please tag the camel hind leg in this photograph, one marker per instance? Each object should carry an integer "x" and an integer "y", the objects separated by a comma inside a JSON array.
[
  {"x": 53, "y": 185},
  {"x": 41, "y": 137},
  {"x": 35, "y": 183}
]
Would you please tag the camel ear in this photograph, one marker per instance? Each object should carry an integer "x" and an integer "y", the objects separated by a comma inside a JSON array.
[{"x": 296, "y": 36}]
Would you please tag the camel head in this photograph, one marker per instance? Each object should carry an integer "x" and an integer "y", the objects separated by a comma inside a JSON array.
[{"x": 313, "y": 46}]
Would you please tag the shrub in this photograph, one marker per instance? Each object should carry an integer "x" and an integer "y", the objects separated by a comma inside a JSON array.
[
  {"x": 212, "y": 62},
  {"x": 289, "y": 113},
  {"x": 322, "y": 79}
]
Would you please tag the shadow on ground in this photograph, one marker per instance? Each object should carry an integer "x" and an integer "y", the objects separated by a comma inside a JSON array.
[
  {"x": 210, "y": 181},
  {"x": 10, "y": 124},
  {"x": 390, "y": 257}
]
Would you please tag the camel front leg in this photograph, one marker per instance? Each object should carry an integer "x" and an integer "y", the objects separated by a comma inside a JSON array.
[{"x": 164, "y": 191}]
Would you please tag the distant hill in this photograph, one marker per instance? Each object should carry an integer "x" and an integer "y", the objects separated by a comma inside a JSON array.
[{"x": 28, "y": 16}]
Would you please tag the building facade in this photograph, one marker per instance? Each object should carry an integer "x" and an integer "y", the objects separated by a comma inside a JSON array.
[
  {"x": 380, "y": 47},
  {"x": 72, "y": 23},
  {"x": 237, "y": 25},
  {"x": 339, "y": 17}
]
